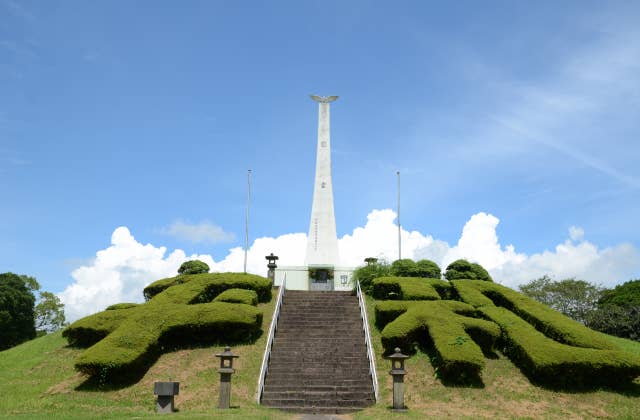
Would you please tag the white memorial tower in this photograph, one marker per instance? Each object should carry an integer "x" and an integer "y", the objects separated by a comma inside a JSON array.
[
  {"x": 322, "y": 242},
  {"x": 321, "y": 269}
]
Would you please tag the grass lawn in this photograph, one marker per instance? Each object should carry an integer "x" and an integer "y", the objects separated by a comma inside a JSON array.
[{"x": 37, "y": 380}]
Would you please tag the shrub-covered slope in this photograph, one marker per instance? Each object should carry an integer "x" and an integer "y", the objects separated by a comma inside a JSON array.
[
  {"x": 549, "y": 347},
  {"x": 128, "y": 339}
]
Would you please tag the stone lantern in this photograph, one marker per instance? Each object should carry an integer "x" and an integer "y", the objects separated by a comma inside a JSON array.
[
  {"x": 398, "y": 372},
  {"x": 271, "y": 274},
  {"x": 226, "y": 370}
]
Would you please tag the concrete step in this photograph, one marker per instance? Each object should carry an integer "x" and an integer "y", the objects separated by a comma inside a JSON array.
[
  {"x": 320, "y": 371},
  {"x": 321, "y": 410},
  {"x": 320, "y": 402},
  {"x": 318, "y": 395},
  {"x": 319, "y": 360},
  {"x": 280, "y": 383},
  {"x": 351, "y": 385}
]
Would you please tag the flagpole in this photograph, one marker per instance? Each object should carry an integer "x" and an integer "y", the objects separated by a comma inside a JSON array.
[
  {"x": 246, "y": 221},
  {"x": 399, "y": 228}
]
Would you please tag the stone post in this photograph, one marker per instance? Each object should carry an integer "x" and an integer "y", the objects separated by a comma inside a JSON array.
[
  {"x": 165, "y": 392},
  {"x": 398, "y": 372},
  {"x": 226, "y": 370},
  {"x": 271, "y": 274}
]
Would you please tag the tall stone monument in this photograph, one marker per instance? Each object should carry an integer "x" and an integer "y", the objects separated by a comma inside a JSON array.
[
  {"x": 320, "y": 270},
  {"x": 322, "y": 243}
]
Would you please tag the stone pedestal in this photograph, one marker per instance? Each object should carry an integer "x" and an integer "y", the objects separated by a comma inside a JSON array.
[
  {"x": 398, "y": 391},
  {"x": 166, "y": 391},
  {"x": 224, "y": 401}
]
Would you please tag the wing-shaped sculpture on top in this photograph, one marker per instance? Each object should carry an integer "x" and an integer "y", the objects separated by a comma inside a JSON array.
[{"x": 323, "y": 99}]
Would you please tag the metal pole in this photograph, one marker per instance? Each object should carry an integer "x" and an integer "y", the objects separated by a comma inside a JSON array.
[
  {"x": 246, "y": 221},
  {"x": 399, "y": 228}
]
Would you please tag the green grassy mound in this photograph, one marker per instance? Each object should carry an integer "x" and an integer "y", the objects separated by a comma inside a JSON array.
[
  {"x": 459, "y": 341},
  {"x": 409, "y": 288},
  {"x": 248, "y": 297},
  {"x": 128, "y": 339}
]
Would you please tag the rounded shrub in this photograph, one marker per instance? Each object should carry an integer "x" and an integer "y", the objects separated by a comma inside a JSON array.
[
  {"x": 403, "y": 268},
  {"x": 427, "y": 269},
  {"x": 193, "y": 267},
  {"x": 465, "y": 270}
]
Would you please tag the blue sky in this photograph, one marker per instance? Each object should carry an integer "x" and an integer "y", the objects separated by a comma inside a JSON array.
[{"x": 148, "y": 115}]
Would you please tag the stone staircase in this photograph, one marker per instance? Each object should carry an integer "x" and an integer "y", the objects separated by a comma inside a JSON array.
[{"x": 319, "y": 359}]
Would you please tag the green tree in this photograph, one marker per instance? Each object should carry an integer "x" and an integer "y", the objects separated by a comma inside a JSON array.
[
  {"x": 403, "y": 268},
  {"x": 427, "y": 269},
  {"x": 49, "y": 313},
  {"x": 16, "y": 311},
  {"x": 574, "y": 298},
  {"x": 31, "y": 283},
  {"x": 365, "y": 275},
  {"x": 626, "y": 294},
  {"x": 621, "y": 321},
  {"x": 465, "y": 270},
  {"x": 193, "y": 267}
]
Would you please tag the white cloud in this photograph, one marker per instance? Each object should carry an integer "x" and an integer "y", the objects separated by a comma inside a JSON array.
[
  {"x": 120, "y": 272},
  {"x": 199, "y": 233},
  {"x": 576, "y": 233}
]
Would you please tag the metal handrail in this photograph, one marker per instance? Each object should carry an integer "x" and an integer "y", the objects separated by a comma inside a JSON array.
[
  {"x": 367, "y": 339},
  {"x": 272, "y": 331}
]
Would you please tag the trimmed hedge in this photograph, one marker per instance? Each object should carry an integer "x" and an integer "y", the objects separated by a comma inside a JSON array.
[
  {"x": 458, "y": 341},
  {"x": 216, "y": 283},
  {"x": 546, "y": 361},
  {"x": 122, "y": 306},
  {"x": 388, "y": 310},
  {"x": 550, "y": 348},
  {"x": 549, "y": 322},
  {"x": 141, "y": 338},
  {"x": 409, "y": 288},
  {"x": 248, "y": 297},
  {"x": 89, "y": 330},
  {"x": 127, "y": 338}
]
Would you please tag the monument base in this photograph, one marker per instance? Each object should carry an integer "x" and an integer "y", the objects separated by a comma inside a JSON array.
[{"x": 315, "y": 278}]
